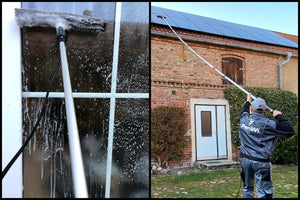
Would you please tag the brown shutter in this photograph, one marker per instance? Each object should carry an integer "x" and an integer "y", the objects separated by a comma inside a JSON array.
[{"x": 233, "y": 69}]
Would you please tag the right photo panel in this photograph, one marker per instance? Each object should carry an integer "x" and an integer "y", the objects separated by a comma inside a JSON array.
[{"x": 222, "y": 75}]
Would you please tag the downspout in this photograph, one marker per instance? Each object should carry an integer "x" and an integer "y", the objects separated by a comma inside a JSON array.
[{"x": 280, "y": 68}]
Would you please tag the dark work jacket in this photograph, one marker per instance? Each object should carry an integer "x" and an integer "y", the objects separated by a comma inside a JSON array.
[{"x": 257, "y": 134}]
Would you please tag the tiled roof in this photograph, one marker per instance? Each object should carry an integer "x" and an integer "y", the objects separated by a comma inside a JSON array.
[
  {"x": 293, "y": 38},
  {"x": 198, "y": 35}
]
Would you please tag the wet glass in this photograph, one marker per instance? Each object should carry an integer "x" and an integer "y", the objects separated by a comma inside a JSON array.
[
  {"x": 46, "y": 160},
  {"x": 133, "y": 71},
  {"x": 89, "y": 56},
  {"x": 131, "y": 147}
]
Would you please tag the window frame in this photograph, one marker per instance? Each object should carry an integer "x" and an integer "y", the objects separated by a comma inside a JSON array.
[
  {"x": 238, "y": 72},
  {"x": 12, "y": 140}
]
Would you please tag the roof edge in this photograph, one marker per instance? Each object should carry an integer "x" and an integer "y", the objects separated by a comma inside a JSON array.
[{"x": 221, "y": 43}]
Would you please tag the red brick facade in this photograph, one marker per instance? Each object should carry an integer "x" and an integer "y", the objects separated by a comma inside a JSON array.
[{"x": 178, "y": 75}]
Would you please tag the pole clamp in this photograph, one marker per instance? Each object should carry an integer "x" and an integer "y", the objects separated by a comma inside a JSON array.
[{"x": 61, "y": 35}]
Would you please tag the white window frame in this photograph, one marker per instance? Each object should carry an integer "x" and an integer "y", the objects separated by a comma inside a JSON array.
[{"x": 12, "y": 184}]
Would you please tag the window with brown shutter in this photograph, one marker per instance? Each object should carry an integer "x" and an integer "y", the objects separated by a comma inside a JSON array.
[{"x": 233, "y": 69}]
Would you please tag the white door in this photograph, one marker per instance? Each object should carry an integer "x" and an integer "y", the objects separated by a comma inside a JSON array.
[{"x": 210, "y": 132}]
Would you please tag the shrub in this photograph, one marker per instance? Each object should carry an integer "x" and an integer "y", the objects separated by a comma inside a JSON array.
[
  {"x": 284, "y": 101},
  {"x": 168, "y": 128},
  {"x": 286, "y": 150}
]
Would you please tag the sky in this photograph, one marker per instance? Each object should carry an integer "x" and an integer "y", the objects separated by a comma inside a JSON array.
[{"x": 275, "y": 16}]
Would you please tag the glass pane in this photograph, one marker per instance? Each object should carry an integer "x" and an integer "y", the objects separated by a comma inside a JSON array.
[
  {"x": 131, "y": 147},
  {"x": 89, "y": 56},
  {"x": 47, "y": 167},
  {"x": 133, "y": 67},
  {"x": 206, "y": 124},
  {"x": 102, "y": 10}
]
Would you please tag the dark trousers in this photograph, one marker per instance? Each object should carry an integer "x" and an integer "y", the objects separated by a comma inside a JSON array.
[{"x": 262, "y": 171}]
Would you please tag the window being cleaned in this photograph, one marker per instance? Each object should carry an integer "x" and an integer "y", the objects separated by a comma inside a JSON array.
[{"x": 47, "y": 163}]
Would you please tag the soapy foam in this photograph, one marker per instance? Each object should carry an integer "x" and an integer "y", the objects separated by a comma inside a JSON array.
[{"x": 37, "y": 18}]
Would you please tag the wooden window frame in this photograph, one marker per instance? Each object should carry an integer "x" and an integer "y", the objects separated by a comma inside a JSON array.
[{"x": 233, "y": 68}]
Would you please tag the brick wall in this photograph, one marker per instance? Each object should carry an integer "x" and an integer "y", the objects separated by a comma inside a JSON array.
[
  {"x": 177, "y": 75},
  {"x": 172, "y": 61}
]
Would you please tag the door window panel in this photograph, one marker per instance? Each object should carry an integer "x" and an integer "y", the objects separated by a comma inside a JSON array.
[{"x": 206, "y": 124}]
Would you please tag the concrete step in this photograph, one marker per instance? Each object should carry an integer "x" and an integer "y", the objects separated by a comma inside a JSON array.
[{"x": 218, "y": 164}]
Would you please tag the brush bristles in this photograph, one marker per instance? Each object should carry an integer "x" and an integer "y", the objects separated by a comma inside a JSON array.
[{"x": 71, "y": 22}]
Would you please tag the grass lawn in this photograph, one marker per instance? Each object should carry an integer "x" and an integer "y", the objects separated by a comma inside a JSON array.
[{"x": 221, "y": 183}]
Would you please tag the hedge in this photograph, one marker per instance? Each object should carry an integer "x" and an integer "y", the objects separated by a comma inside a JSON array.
[
  {"x": 284, "y": 101},
  {"x": 168, "y": 129},
  {"x": 286, "y": 150}
]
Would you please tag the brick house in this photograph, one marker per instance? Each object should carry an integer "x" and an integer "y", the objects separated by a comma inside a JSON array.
[{"x": 179, "y": 76}]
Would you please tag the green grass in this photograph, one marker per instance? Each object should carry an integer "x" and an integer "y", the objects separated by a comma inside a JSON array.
[{"x": 222, "y": 183}]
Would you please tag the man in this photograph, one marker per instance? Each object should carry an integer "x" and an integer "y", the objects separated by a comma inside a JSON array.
[{"x": 257, "y": 135}]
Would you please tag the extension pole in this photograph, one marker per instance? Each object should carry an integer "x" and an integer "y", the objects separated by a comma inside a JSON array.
[
  {"x": 223, "y": 75},
  {"x": 78, "y": 175}
]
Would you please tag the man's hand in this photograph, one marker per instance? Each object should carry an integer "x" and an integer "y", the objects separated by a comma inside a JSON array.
[
  {"x": 249, "y": 98},
  {"x": 276, "y": 112}
]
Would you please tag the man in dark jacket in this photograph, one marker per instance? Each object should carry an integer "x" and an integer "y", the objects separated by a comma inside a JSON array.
[{"x": 257, "y": 135}]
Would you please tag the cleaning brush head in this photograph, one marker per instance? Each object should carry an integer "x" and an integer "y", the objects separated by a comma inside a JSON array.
[
  {"x": 70, "y": 22},
  {"x": 161, "y": 16}
]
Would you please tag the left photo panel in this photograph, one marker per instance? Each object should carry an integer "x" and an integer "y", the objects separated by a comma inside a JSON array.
[{"x": 75, "y": 100}]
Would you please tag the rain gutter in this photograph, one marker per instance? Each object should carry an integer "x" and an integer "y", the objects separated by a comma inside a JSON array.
[{"x": 280, "y": 68}]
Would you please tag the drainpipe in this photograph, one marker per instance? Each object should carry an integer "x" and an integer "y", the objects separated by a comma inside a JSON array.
[{"x": 280, "y": 68}]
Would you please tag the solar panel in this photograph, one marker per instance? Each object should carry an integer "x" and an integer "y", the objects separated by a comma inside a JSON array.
[
  {"x": 249, "y": 36},
  {"x": 156, "y": 10},
  {"x": 155, "y": 19},
  {"x": 183, "y": 23},
  {"x": 204, "y": 27},
  {"x": 227, "y": 32},
  {"x": 173, "y": 13},
  {"x": 192, "y": 17},
  {"x": 218, "y": 27}
]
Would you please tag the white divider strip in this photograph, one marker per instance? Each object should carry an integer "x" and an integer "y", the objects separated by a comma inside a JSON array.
[
  {"x": 84, "y": 95},
  {"x": 112, "y": 100}
]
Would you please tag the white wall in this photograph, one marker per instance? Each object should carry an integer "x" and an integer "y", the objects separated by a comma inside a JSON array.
[{"x": 12, "y": 184}]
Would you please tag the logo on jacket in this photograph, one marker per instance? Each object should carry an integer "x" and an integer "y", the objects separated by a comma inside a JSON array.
[
  {"x": 250, "y": 128},
  {"x": 251, "y": 121}
]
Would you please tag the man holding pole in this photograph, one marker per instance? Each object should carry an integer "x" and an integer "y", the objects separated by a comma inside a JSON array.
[{"x": 257, "y": 135}]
